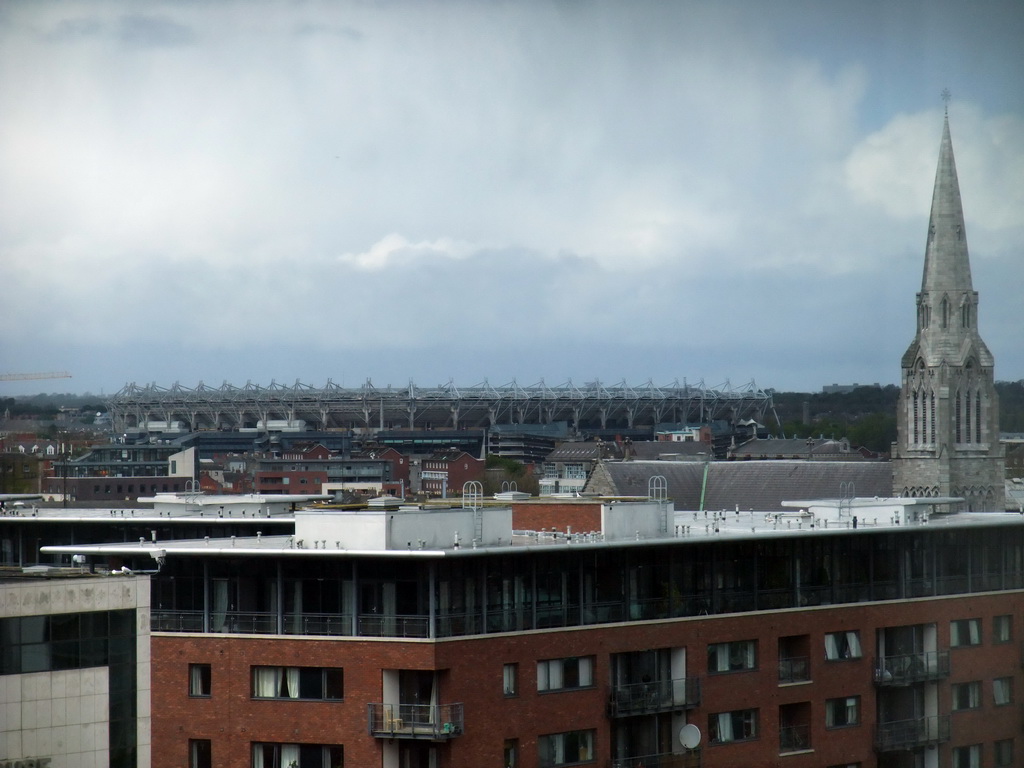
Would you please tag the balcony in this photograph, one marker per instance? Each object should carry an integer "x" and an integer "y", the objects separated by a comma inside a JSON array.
[
  {"x": 429, "y": 722},
  {"x": 794, "y": 738},
  {"x": 653, "y": 697},
  {"x": 689, "y": 759},
  {"x": 911, "y": 668},
  {"x": 796, "y": 669},
  {"x": 911, "y": 734}
]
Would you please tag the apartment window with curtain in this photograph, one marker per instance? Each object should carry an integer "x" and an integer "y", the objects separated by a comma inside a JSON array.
[
  {"x": 966, "y": 696},
  {"x": 510, "y": 683},
  {"x": 1002, "y": 629},
  {"x": 739, "y": 725},
  {"x": 1002, "y": 691},
  {"x": 1003, "y": 753},
  {"x": 965, "y": 632},
  {"x": 841, "y": 646},
  {"x": 967, "y": 757},
  {"x": 271, "y": 755},
  {"x": 732, "y": 657},
  {"x": 843, "y": 712},
  {"x": 565, "y": 674},
  {"x": 200, "y": 753},
  {"x": 568, "y": 748},
  {"x": 199, "y": 680},
  {"x": 316, "y": 683}
]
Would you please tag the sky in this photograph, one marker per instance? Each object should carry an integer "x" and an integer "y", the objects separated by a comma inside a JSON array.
[{"x": 723, "y": 193}]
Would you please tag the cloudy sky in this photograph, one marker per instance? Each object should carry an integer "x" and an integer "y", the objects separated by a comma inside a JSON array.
[{"x": 470, "y": 191}]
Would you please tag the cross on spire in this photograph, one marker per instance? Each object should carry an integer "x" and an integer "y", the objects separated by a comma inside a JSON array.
[{"x": 946, "y": 96}]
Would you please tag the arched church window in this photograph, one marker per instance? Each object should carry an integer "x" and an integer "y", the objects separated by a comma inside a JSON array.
[
  {"x": 957, "y": 417},
  {"x": 917, "y": 395},
  {"x": 967, "y": 418},
  {"x": 945, "y": 312},
  {"x": 977, "y": 417},
  {"x": 931, "y": 415}
]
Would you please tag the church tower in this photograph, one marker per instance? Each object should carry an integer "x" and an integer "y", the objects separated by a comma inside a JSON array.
[{"x": 948, "y": 413}]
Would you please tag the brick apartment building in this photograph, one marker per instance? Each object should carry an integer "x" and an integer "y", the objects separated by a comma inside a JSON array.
[{"x": 878, "y": 634}]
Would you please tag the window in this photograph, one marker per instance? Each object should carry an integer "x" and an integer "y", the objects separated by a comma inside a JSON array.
[
  {"x": 200, "y": 754},
  {"x": 511, "y": 679},
  {"x": 1002, "y": 691},
  {"x": 511, "y": 753},
  {"x": 266, "y": 755},
  {"x": 967, "y": 757},
  {"x": 561, "y": 674},
  {"x": 840, "y": 713},
  {"x": 733, "y": 726},
  {"x": 966, "y": 696},
  {"x": 565, "y": 748},
  {"x": 843, "y": 645},
  {"x": 1002, "y": 629},
  {"x": 325, "y": 684},
  {"x": 199, "y": 677},
  {"x": 1004, "y": 753},
  {"x": 729, "y": 657},
  {"x": 965, "y": 632}
]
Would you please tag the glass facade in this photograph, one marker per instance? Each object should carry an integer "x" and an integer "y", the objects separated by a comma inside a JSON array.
[{"x": 395, "y": 596}]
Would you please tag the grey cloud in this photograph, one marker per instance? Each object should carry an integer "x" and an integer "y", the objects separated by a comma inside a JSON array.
[
  {"x": 332, "y": 30},
  {"x": 153, "y": 31},
  {"x": 69, "y": 30}
]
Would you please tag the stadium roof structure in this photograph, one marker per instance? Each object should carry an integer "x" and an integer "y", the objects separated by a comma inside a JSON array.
[{"x": 447, "y": 406}]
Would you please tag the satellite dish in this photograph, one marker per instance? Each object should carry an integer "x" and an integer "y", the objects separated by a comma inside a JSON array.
[{"x": 689, "y": 736}]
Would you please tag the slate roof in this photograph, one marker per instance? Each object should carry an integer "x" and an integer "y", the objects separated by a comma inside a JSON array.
[{"x": 752, "y": 485}]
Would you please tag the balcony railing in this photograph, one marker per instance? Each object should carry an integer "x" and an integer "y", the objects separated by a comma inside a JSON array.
[
  {"x": 377, "y": 625},
  {"x": 176, "y": 621},
  {"x": 794, "y": 738},
  {"x": 910, "y": 734},
  {"x": 431, "y": 722},
  {"x": 912, "y": 668},
  {"x": 657, "y": 696},
  {"x": 333, "y": 624},
  {"x": 795, "y": 669},
  {"x": 689, "y": 759}
]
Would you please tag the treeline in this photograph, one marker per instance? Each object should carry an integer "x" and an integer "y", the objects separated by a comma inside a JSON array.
[
  {"x": 49, "y": 405},
  {"x": 867, "y": 415}
]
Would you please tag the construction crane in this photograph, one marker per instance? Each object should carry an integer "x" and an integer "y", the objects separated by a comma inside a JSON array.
[{"x": 33, "y": 376}]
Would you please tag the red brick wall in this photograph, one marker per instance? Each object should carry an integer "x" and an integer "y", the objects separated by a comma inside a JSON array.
[
  {"x": 474, "y": 677},
  {"x": 581, "y": 516}
]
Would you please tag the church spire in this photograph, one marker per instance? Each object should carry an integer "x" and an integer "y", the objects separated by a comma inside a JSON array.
[
  {"x": 948, "y": 415},
  {"x": 947, "y": 265}
]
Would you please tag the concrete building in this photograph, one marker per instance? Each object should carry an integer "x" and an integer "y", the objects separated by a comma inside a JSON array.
[
  {"x": 74, "y": 670},
  {"x": 948, "y": 412}
]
